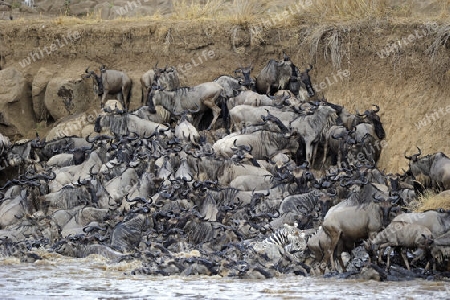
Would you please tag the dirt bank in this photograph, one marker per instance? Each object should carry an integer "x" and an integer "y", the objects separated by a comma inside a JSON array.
[{"x": 407, "y": 84}]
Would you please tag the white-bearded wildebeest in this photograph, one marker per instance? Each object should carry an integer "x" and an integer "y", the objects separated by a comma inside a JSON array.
[
  {"x": 111, "y": 82},
  {"x": 201, "y": 97},
  {"x": 232, "y": 85},
  {"x": 371, "y": 117},
  {"x": 263, "y": 144},
  {"x": 167, "y": 78},
  {"x": 242, "y": 116},
  {"x": 346, "y": 224},
  {"x": 437, "y": 222},
  {"x": 313, "y": 129},
  {"x": 336, "y": 140},
  {"x": 283, "y": 75},
  {"x": 405, "y": 236},
  {"x": 435, "y": 166},
  {"x": 441, "y": 249}
]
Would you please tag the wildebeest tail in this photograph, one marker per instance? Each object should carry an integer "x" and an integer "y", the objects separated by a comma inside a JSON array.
[
  {"x": 225, "y": 112},
  {"x": 127, "y": 104},
  {"x": 379, "y": 130}
]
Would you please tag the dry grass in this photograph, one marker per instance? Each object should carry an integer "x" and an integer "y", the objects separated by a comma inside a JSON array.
[
  {"x": 431, "y": 201},
  {"x": 250, "y": 11},
  {"x": 272, "y": 13},
  {"x": 332, "y": 40},
  {"x": 347, "y": 9},
  {"x": 197, "y": 9},
  {"x": 442, "y": 38}
]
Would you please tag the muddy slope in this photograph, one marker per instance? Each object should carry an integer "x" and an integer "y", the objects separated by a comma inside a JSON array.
[{"x": 409, "y": 86}]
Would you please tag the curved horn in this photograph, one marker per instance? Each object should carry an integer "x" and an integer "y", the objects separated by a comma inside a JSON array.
[
  {"x": 377, "y": 108},
  {"x": 420, "y": 151},
  {"x": 407, "y": 157},
  {"x": 375, "y": 196},
  {"x": 332, "y": 194},
  {"x": 195, "y": 110}
]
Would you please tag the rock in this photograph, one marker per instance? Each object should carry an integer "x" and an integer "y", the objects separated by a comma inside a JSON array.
[
  {"x": 64, "y": 97},
  {"x": 10, "y": 211},
  {"x": 16, "y": 112},
  {"x": 103, "y": 9},
  {"x": 81, "y": 8},
  {"x": 38, "y": 88}
]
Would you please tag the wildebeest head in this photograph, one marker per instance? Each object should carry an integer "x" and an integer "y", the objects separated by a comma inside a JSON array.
[
  {"x": 306, "y": 80},
  {"x": 326, "y": 201},
  {"x": 248, "y": 82},
  {"x": 375, "y": 119},
  {"x": 98, "y": 83},
  {"x": 150, "y": 96},
  {"x": 79, "y": 154},
  {"x": 421, "y": 165},
  {"x": 414, "y": 157},
  {"x": 372, "y": 117},
  {"x": 386, "y": 206}
]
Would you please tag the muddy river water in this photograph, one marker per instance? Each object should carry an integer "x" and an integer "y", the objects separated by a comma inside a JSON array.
[{"x": 95, "y": 278}]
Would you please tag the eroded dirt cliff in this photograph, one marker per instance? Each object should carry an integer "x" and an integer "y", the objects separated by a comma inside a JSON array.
[{"x": 409, "y": 81}]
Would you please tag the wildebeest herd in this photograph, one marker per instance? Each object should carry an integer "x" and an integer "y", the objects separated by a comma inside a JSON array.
[{"x": 240, "y": 176}]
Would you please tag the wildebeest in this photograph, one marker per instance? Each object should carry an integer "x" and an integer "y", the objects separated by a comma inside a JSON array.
[
  {"x": 435, "y": 166},
  {"x": 365, "y": 142},
  {"x": 346, "y": 224},
  {"x": 371, "y": 117},
  {"x": 336, "y": 142},
  {"x": 242, "y": 116},
  {"x": 166, "y": 78},
  {"x": 318, "y": 244},
  {"x": 263, "y": 143},
  {"x": 313, "y": 129},
  {"x": 437, "y": 222},
  {"x": 440, "y": 249},
  {"x": 111, "y": 82},
  {"x": 283, "y": 75},
  {"x": 202, "y": 96},
  {"x": 403, "y": 235}
]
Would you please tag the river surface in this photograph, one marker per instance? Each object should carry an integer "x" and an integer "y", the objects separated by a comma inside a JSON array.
[{"x": 94, "y": 278}]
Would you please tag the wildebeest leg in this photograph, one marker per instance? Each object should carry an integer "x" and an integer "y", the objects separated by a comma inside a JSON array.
[
  {"x": 120, "y": 97},
  {"x": 334, "y": 234},
  {"x": 405, "y": 259},
  {"x": 325, "y": 150},
  {"x": 415, "y": 259},
  {"x": 211, "y": 103},
  {"x": 314, "y": 150},
  {"x": 126, "y": 93},
  {"x": 102, "y": 101},
  {"x": 380, "y": 255},
  {"x": 389, "y": 258},
  {"x": 339, "y": 250}
]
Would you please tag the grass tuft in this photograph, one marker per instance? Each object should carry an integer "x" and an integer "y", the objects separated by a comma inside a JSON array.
[
  {"x": 430, "y": 201},
  {"x": 197, "y": 10},
  {"x": 442, "y": 38},
  {"x": 347, "y": 9},
  {"x": 332, "y": 37}
]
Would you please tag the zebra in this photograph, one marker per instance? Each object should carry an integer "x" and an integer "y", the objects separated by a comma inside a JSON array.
[
  {"x": 289, "y": 238},
  {"x": 308, "y": 206}
]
